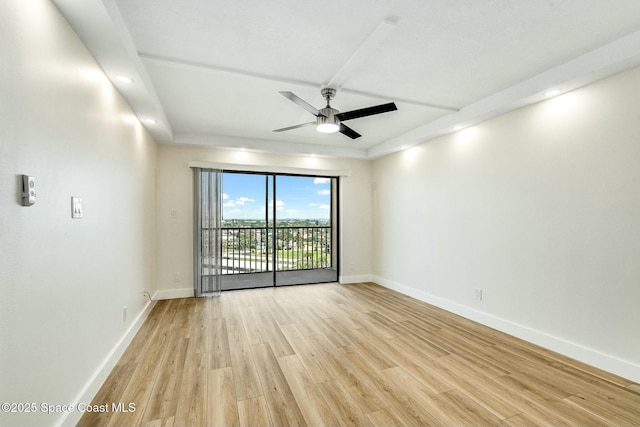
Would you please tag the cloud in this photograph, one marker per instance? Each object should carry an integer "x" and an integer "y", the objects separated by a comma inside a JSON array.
[
  {"x": 320, "y": 206},
  {"x": 243, "y": 200},
  {"x": 237, "y": 202},
  {"x": 325, "y": 192},
  {"x": 321, "y": 180}
]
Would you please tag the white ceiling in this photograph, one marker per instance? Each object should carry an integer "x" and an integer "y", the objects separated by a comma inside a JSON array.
[{"x": 209, "y": 71}]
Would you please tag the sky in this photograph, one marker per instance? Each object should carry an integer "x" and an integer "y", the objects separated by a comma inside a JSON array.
[{"x": 296, "y": 197}]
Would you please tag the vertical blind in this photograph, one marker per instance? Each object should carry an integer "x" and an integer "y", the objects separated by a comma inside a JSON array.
[{"x": 207, "y": 231}]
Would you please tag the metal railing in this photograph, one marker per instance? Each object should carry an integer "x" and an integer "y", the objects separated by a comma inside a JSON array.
[{"x": 251, "y": 249}]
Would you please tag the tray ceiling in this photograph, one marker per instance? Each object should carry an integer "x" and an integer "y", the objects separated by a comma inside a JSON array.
[{"x": 209, "y": 72}]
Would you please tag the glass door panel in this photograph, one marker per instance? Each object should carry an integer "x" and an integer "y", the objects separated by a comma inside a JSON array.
[
  {"x": 305, "y": 241},
  {"x": 246, "y": 236}
]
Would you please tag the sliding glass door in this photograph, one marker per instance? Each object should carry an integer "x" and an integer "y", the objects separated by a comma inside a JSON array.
[
  {"x": 305, "y": 230},
  {"x": 277, "y": 229},
  {"x": 246, "y": 231}
]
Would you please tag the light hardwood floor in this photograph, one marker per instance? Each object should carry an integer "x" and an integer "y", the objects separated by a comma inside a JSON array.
[{"x": 342, "y": 355}]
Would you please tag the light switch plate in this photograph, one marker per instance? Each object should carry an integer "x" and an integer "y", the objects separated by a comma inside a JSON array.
[
  {"x": 28, "y": 190},
  {"x": 76, "y": 207}
]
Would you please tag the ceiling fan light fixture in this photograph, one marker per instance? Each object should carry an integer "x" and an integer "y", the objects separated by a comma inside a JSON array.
[
  {"x": 327, "y": 122},
  {"x": 327, "y": 127}
]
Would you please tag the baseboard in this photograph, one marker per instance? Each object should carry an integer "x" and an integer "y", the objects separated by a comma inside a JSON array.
[
  {"x": 102, "y": 372},
  {"x": 576, "y": 351},
  {"x": 354, "y": 279},
  {"x": 173, "y": 293}
]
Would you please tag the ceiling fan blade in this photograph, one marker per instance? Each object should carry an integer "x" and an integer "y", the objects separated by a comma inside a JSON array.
[
  {"x": 301, "y": 102},
  {"x": 369, "y": 111},
  {"x": 294, "y": 127},
  {"x": 346, "y": 130}
]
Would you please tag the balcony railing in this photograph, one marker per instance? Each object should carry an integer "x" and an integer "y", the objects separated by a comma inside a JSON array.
[{"x": 251, "y": 249}]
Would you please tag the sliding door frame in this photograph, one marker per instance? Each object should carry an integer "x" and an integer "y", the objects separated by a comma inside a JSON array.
[
  {"x": 334, "y": 221},
  {"x": 336, "y": 175},
  {"x": 271, "y": 227}
]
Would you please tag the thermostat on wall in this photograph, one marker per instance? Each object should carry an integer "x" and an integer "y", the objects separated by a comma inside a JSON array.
[{"x": 76, "y": 207}]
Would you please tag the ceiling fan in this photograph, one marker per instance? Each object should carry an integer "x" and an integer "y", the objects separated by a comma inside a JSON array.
[{"x": 329, "y": 120}]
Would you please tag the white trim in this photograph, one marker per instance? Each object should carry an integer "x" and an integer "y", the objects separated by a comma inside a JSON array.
[
  {"x": 344, "y": 280},
  {"x": 100, "y": 375},
  {"x": 268, "y": 169},
  {"x": 174, "y": 293},
  {"x": 576, "y": 351},
  {"x": 261, "y": 145}
]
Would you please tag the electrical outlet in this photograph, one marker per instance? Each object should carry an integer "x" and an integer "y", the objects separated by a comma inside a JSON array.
[
  {"x": 124, "y": 314},
  {"x": 478, "y": 294}
]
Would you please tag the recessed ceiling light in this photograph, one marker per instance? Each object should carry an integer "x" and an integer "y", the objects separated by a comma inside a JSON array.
[
  {"x": 124, "y": 79},
  {"x": 552, "y": 92},
  {"x": 150, "y": 121}
]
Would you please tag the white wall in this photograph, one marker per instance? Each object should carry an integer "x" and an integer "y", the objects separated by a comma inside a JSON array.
[
  {"x": 64, "y": 282},
  {"x": 175, "y": 192},
  {"x": 540, "y": 208}
]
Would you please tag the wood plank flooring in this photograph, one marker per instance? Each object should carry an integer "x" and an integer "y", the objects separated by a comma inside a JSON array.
[{"x": 346, "y": 355}]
